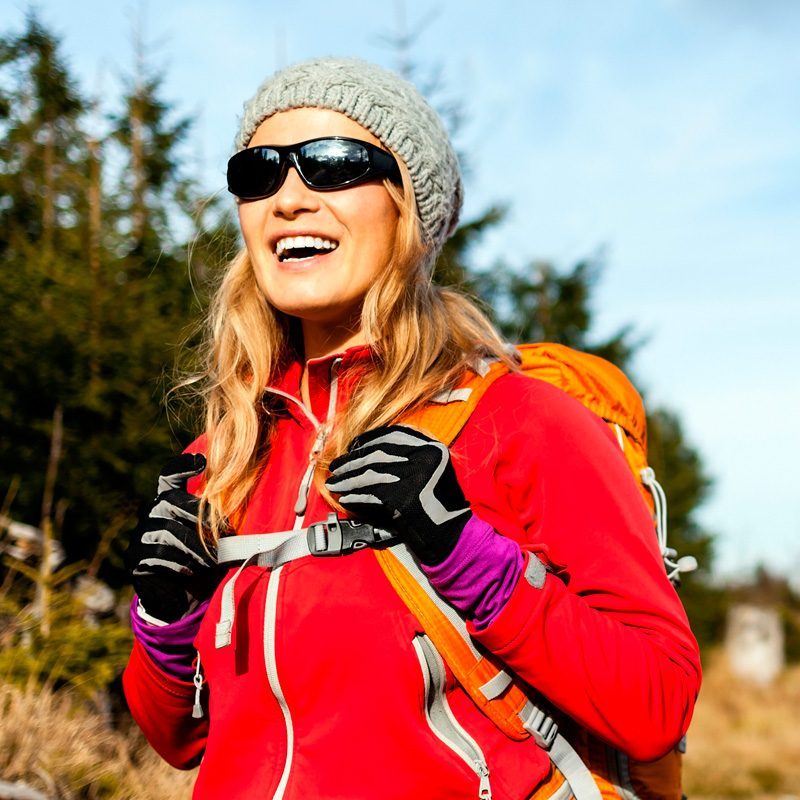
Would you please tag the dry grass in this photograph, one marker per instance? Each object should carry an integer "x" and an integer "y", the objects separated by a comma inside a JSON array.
[
  {"x": 744, "y": 741},
  {"x": 53, "y": 743}
]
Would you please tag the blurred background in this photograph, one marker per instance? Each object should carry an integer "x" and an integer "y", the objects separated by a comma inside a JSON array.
[{"x": 632, "y": 189}]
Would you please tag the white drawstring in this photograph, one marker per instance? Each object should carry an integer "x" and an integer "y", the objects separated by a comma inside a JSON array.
[
  {"x": 669, "y": 554},
  {"x": 648, "y": 476}
]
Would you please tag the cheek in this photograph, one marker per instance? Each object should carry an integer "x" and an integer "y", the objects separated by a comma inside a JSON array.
[{"x": 379, "y": 225}]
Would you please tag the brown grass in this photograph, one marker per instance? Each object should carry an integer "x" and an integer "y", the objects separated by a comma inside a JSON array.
[
  {"x": 744, "y": 741},
  {"x": 53, "y": 743}
]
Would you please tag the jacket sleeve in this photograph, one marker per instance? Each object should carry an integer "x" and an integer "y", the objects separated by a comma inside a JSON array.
[
  {"x": 606, "y": 638},
  {"x": 160, "y": 702},
  {"x": 162, "y": 707}
]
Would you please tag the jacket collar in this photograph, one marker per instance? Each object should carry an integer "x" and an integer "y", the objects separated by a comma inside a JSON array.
[{"x": 345, "y": 367}]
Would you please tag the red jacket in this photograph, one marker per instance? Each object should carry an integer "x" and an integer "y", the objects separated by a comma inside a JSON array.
[{"x": 340, "y": 711}]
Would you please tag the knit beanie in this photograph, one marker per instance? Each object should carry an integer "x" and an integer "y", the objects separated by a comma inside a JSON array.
[{"x": 392, "y": 110}]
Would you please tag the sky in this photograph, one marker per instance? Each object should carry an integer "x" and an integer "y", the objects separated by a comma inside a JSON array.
[{"x": 664, "y": 135}]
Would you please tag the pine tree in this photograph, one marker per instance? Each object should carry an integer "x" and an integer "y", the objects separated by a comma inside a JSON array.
[
  {"x": 96, "y": 294},
  {"x": 45, "y": 289}
]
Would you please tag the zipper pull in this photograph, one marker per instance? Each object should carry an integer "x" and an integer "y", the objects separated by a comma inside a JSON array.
[
  {"x": 485, "y": 790},
  {"x": 305, "y": 484},
  {"x": 197, "y": 710}
]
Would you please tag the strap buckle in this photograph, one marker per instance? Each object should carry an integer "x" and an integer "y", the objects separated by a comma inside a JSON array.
[
  {"x": 335, "y": 536},
  {"x": 539, "y": 724}
]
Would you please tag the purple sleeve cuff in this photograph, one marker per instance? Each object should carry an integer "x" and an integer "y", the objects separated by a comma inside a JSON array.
[
  {"x": 170, "y": 647},
  {"x": 478, "y": 577}
]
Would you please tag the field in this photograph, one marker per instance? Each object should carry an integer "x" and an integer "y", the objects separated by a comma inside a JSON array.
[{"x": 744, "y": 743}]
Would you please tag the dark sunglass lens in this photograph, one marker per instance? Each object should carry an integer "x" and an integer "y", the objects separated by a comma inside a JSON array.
[
  {"x": 329, "y": 163},
  {"x": 253, "y": 172}
]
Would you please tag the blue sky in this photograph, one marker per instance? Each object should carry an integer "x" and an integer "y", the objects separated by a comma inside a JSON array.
[{"x": 665, "y": 133}]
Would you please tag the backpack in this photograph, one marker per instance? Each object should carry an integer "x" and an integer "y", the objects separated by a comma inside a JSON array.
[
  {"x": 582, "y": 766},
  {"x": 592, "y": 768}
]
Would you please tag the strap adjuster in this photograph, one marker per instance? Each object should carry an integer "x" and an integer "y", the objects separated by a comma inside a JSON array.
[
  {"x": 539, "y": 724},
  {"x": 336, "y": 536}
]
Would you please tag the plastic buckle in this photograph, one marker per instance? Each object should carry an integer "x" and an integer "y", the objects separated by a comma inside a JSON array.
[
  {"x": 542, "y": 727},
  {"x": 336, "y": 536}
]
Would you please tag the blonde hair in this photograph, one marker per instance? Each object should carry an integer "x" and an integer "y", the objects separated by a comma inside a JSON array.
[{"x": 423, "y": 337}]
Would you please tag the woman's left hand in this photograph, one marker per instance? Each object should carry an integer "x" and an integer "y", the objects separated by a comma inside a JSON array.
[{"x": 401, "y": 479}]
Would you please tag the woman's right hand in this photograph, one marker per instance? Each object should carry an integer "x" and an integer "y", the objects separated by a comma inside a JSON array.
[{"x": 170, "y": 568}]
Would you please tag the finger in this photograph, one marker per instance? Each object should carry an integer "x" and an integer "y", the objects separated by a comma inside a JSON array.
[
  {"x": 176, "y": 504},
  {"x": 167, "y": 533},
  {"x": 370, "y": 437},
  {"x": 177, "y": 471},
  {"x": 352, "y": 501},
  {"x": 348, "y": 463},
  {"x": 167, "y": 540},
  {"x": 368, "y": 508},
  {"x": 399, "y": 437},
  {"x": 147, "y": 566},
  {"x": 364, "y": 480}
]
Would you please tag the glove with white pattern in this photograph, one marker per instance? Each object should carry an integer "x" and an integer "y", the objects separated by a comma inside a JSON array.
[
  {"x": 169, "y": 567},
  {"x": 398, "y": 478}
]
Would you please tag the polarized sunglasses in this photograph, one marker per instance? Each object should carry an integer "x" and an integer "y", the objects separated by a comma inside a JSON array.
[{"x": 331, "y": 162}]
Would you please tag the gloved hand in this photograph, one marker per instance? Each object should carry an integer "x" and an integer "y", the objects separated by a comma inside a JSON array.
[
  {"x": 169, "y": 566},
  {"x": 400, "y": 479}
]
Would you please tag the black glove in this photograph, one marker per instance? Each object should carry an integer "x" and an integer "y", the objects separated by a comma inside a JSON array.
[
  {"x": 398, "y": 478},
  {"x": 169, "y": 566}
]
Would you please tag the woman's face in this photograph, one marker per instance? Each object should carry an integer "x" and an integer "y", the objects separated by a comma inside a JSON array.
[{"x": 356, "y": 227}]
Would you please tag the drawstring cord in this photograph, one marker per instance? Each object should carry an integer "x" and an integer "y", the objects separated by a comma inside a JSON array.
[{"x": 674, "y": 565}]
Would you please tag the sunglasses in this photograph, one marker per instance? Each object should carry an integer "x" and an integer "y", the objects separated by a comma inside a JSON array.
[{"x": 331, "y": 162}]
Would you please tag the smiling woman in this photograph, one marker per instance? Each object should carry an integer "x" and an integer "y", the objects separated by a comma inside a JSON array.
[
  {"x": 496, "y": 613},
  {"x": 324, "y": 287}
]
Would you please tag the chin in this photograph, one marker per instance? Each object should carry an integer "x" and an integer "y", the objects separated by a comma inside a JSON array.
[{"x": 322, "y": 314}]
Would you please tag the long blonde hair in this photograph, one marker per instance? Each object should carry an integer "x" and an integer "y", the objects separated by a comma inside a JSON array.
[{"x": 423, "y": 336}]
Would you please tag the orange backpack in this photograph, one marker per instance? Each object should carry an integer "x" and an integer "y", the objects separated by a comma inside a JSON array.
[{"x": 603, "y": 389}]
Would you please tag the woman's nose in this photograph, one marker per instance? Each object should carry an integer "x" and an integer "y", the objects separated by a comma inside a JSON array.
[{"x": 294, "y": 197}]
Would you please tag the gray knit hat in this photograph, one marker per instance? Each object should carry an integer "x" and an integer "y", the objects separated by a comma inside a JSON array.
[{"x": 391, "y": 109}]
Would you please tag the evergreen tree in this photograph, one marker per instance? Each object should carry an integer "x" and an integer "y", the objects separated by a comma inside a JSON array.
[
  {"x": 148, "y": 300},
  {"x": 45, "y": 290},
  {"x": 96, "y": 294}
]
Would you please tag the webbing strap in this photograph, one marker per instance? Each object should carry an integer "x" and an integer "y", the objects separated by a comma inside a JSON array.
[
  {"x": 224, "y": 628},
  {"x": 273, "y": 550},
  {"x": 540, "y": 725},
  {"x": 265, "y": 549},
  {"x": 564, "y": 757},
  {"x": 452, "y": 396},
  {"x": 496, "y": 686},
  {"x": 453, "y": 617},
  {"x": 575, "y": 772}
]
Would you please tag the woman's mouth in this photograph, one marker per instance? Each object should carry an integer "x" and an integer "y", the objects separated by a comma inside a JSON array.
[{"x": 299, "y": 248}]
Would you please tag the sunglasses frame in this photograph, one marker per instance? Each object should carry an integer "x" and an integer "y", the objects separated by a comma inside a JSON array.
[{"x": 381, "y": 164}]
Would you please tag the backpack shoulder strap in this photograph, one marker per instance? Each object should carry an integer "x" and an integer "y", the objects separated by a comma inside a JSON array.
[
  {"x": 447, "y": 414},
  {"x": 596, "y": 383}
]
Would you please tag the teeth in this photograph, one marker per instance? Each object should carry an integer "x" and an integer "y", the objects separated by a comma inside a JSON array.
[{"x": 304, "y": 242}]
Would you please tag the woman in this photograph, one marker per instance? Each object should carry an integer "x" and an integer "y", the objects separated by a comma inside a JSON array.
[{"x": 325, "y": 332}]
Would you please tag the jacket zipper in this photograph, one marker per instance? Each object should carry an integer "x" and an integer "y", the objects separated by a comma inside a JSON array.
[
  {"x": 271, "y": 603},
  {"x": 197, "y": 709},
  {"x": 441, "y": 719}
]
